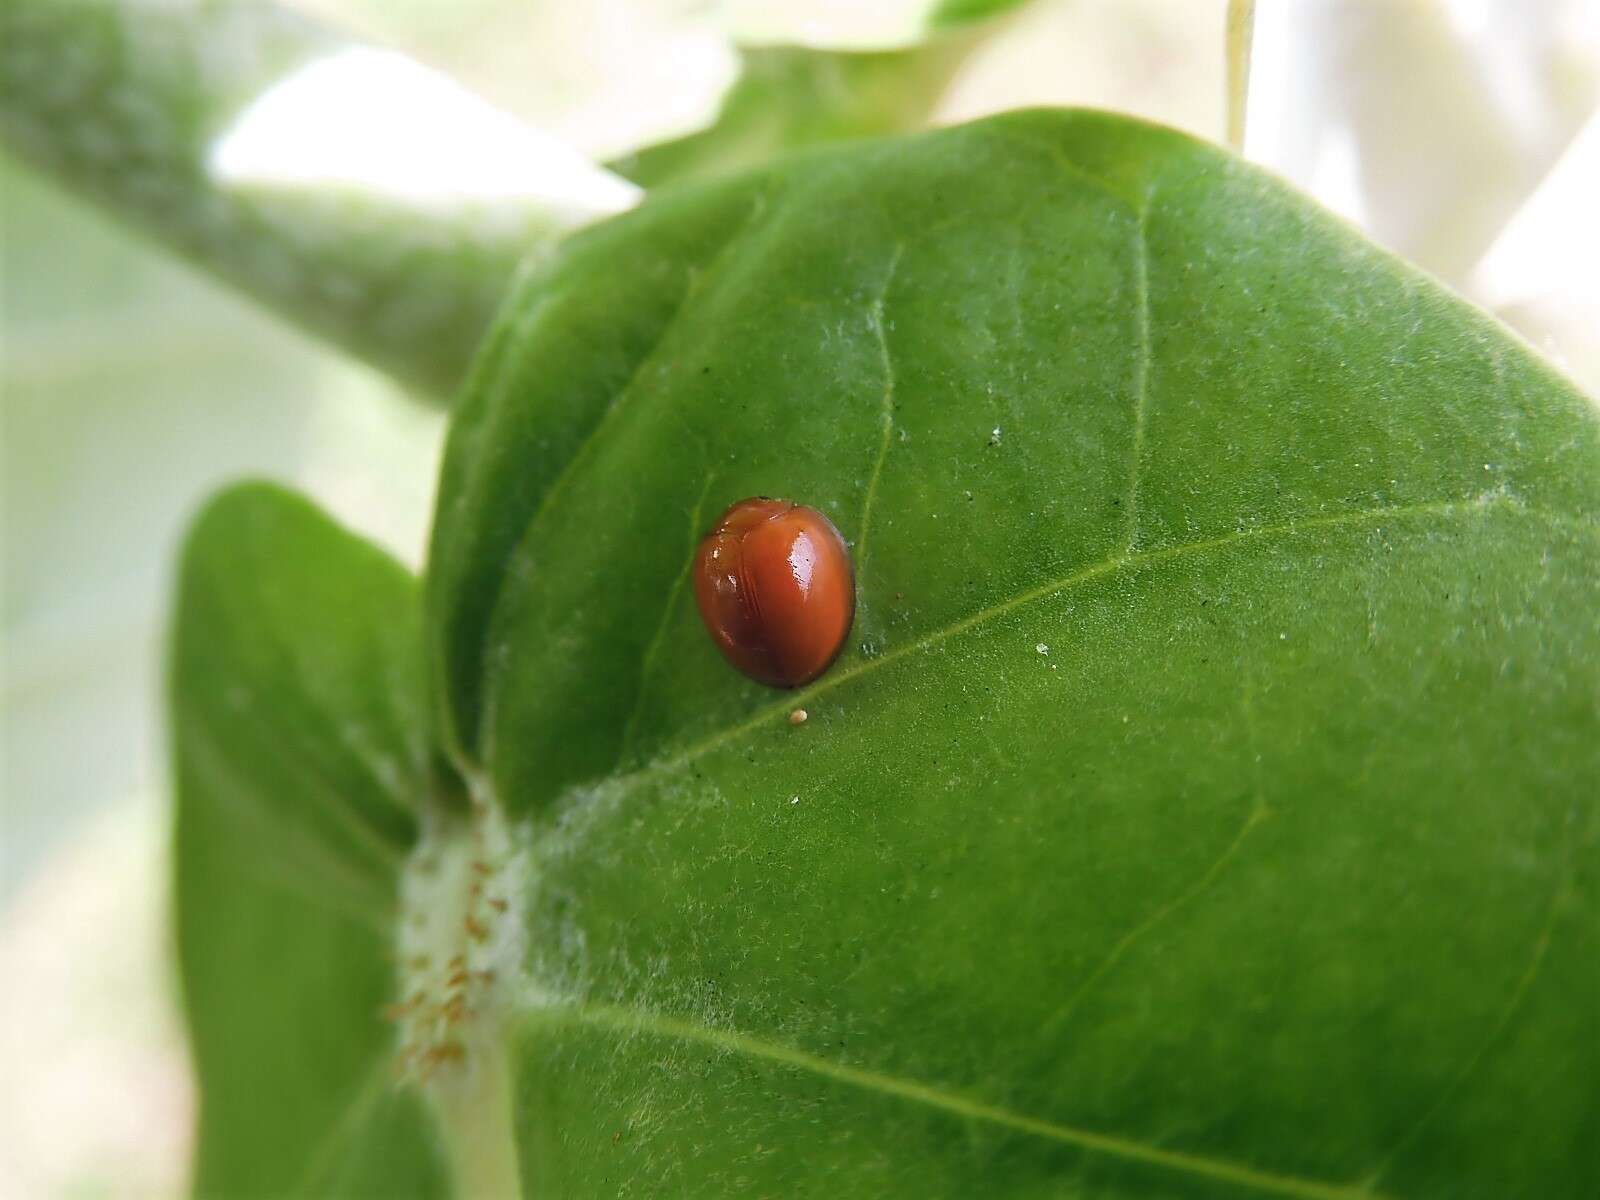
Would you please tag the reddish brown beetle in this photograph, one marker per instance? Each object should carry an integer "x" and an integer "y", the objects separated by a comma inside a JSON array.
[{"x": 776, "y": 589}]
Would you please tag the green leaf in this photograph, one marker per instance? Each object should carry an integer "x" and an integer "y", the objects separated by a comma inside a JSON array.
[
  {"x": 950, "y": 14},
  {"x": 894, "y": 24},
  {"x": 1208, "y": 801},
  {"x": 795, "y": 97},
  {"x": 792, "y": 97},
  {"x": 301, "y": 763}
]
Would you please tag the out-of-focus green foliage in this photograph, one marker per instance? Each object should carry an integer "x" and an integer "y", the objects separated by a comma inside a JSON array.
[
  {"x": 301, "y": 768},
  {"x": 952, "y": 14},
  {"x": 790, "y": 97}
]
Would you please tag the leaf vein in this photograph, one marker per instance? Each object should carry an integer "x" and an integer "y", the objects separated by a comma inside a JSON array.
[
  {"x": 1062, "y": 160},
  {"x": 362, "y": 861},
  {"x": 1134, "y": 561},
  {"x": 322, "y": 1161},
  {"x": 627, "y": 1021},
  {"x": 653, "y": 650},
  {"x": 1258, "y": 813},
  {"x": 1141, "y": 372},
  {"x": 875, "y": 318},
  {"x": 1513, "y": 1005},
  {"x": 694, "y": 287}
]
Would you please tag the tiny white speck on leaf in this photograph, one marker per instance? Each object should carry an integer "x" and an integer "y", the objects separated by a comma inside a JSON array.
[
  {"x": 994, "y": 436},
  {"x": 1041, "y": 648},
  {"x": 794, "y": 799}
]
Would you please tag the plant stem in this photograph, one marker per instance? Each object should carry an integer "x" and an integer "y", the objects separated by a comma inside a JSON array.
[
  {"x": 1241, "y": 24},
  {"x": 126, "y": 100}
]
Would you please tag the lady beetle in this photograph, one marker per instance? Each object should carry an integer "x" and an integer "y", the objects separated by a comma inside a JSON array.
[{"x": 776, "y": 590}]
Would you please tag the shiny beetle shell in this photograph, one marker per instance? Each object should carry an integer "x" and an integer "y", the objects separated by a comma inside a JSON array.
[{"x": 776, "y": 590}]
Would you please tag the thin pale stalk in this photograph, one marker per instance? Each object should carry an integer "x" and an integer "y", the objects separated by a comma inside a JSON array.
[{"x": 1241, "y": 25}]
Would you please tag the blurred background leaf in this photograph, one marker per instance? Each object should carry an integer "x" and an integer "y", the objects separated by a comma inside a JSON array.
[
  {"x": 791, "y": 97},
  {"x": 300, "y": 752}
]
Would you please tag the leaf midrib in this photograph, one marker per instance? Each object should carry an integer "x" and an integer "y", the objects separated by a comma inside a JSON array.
[{"x": 628, "y": 1021}]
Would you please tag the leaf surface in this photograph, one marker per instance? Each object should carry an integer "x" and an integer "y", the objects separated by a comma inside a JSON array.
[
  {"x": 1206, "y": 803},
  {"x": 301, "y": 765}
]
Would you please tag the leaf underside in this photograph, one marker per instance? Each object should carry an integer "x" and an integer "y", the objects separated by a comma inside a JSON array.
[{"x": 1206, "y": 803}]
